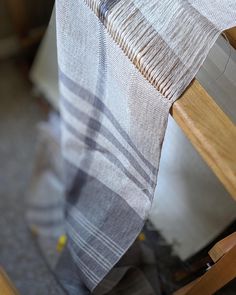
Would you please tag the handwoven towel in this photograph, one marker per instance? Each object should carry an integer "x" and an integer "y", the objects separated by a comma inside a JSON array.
[{"x": 122, "y": 65}]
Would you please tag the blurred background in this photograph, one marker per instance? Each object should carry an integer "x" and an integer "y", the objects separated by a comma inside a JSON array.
[
  {"x": 23, "y": 24},
  {"x": 182, "y": 218}
]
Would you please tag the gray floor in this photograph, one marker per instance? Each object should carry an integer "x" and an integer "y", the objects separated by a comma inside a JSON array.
[{"x": 19, "y": 114}]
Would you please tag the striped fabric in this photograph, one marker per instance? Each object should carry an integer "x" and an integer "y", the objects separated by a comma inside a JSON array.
[{"x": 121, "y": 66}]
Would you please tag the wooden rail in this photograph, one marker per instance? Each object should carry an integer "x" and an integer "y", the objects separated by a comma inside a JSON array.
[
  {"x": 212, "y": 281},
  {"x": 210, "y": 131},
  {"x": 231, "y": 35},
  {"x": 6, "y": 287}
]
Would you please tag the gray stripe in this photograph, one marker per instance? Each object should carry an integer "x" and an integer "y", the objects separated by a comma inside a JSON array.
[
  {"x": 93, "y": 145},
  {"x": 82, "y": 266},
  {"x": 105, "y": 7},
  {"x": 68, "y": 274},
  {"x": 97, "y": 103},
  {"x": 100, "y": 88},
  {"x": 95, "y": 197},
  {"x": 98, "y": 127},
  {"x": 72, "y": 218},
  {"x": 81, "y": 220},
  {"x": 96, "y": 200},
  {"x": 86, "y": 247}
]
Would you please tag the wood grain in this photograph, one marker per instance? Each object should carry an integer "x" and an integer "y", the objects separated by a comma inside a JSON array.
[
  {"x": 215, "y": 278},
  {"x": 186, "y": 288},
  {"x": 6, "y": 287},
  {"x": 222, "y": 247},
  {"x": 231, "y": 35},
  {"x": 210, "y": 131}
]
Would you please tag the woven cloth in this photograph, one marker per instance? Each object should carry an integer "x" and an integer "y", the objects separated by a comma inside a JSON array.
[{"x": 121, "y": 66}]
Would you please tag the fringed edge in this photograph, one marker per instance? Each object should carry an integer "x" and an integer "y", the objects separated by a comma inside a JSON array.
[{"x": 168, "y": 59}]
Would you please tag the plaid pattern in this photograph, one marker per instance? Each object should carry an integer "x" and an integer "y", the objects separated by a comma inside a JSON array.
[{"x": 122, "y": 65}]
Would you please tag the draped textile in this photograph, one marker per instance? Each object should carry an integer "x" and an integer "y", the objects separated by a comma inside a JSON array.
[{"x": 121, "y": 66}]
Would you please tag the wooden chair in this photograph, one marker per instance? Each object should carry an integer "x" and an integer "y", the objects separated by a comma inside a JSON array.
[{"x": 213, "y": 135}]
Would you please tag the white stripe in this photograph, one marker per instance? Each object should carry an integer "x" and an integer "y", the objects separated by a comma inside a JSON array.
[
  {"x": 90, "y": 274},
  {"x": 87, "y": 248},
  {"x": 81, "y": 219},
  {"x": 80, "y": 104},
  {"x": 96, "y": 256},
  {"x": 98, "y": 237},
  {"x": 92, "y": 226},
  {"x": 108, "y": 140},
  {"x": 136, "y": 198},
  {"x": 105, "y": 143}
]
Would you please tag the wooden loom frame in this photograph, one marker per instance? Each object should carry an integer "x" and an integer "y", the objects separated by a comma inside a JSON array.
[
  {"x": 208, "y": 128},
  {"x": 213, "y": 135}
]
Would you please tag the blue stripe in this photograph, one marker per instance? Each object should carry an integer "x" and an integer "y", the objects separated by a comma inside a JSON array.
[
  {"x": 93, "y": 145},
  {"x": 96, "y": 102},
  {"x": 99, "y": 128},
  {"x": 105, "y": 7}
]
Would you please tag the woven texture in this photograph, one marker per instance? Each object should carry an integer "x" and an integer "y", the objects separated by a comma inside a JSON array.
[{"x": 122, "y": 65}]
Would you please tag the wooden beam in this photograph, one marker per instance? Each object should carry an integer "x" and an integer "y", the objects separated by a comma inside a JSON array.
[
  {"x": 210, "y": 131},
  {"x": 222, "y": 247},
  {"x": 215, "y": 278},
  {"x": 231, "y": 35},
  {"x": 6, "y": 287}
]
